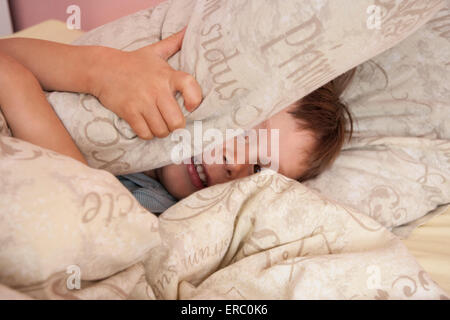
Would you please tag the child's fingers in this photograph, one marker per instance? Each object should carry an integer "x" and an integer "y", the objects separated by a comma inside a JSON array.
[
  {"x": 155, "y": 122},
  {"x": 139, "y": 125},
  {"x": 189, "y": 88},
  {"x": 171, "y": 112},
  {"x": 170, "y": 45}
]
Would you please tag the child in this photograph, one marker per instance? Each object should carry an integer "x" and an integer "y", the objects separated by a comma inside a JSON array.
[
  {"x": 311, "y": 131},
  {"x": 138, "y": 86},
  {"x": 311, "y": 134}
]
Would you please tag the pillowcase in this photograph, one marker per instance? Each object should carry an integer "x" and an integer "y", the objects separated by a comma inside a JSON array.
[
  {"x": 251, "y": 58},
  {"x": 396, "y": 169},
  {"x": 57, "y": 214}
]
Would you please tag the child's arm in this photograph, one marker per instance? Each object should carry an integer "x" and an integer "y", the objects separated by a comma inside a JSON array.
[
  {"x": 29, "y": 115},
  {"x": 138, "y": 86},
  {"x": 58, "y": 67}
]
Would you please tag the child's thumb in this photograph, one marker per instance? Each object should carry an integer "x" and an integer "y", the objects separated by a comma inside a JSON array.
[{"x": 170, "y": 45}]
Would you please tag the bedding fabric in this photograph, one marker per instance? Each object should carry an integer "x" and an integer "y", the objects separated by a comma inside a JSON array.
[
  {"x": 261, "y": 237},
  {"x": 246, "y": 70},
  {"x": 396, "y": 168},
  {"x": 57, "y": 212}
]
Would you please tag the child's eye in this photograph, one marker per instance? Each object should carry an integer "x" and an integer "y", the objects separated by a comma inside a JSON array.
[{"x": 256, "y": 168}]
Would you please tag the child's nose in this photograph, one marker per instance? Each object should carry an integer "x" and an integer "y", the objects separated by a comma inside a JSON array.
[
  {"x": 236, "y": 162},
  {"x": 236, "y": 170}
]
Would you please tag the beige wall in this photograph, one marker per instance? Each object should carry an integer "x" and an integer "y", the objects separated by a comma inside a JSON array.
[
  {"x": 26, "y": 13},
  {"x": 5, "y": 20}
]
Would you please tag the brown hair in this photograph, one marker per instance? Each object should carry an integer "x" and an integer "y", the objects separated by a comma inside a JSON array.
[{"x": 323, "y": 113}]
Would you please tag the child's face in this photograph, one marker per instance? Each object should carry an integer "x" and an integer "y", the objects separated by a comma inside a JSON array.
[{"x": 293, "y": 150}]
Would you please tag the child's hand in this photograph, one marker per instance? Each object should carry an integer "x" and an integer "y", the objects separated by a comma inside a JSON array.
[{"x": 139, "y": 87}]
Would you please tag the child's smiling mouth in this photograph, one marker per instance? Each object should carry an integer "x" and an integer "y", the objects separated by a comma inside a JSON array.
[{"x": 197, "y": 174}]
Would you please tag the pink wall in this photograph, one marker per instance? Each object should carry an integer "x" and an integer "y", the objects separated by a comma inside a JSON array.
[{"x": 94, "y": 13}]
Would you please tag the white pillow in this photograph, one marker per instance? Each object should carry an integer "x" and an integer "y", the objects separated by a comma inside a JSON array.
[
  {"x": 397, "y": 167},
  {"x": 251, "y": 58}
]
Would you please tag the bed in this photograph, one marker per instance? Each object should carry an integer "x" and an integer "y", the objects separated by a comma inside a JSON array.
[{"x": 427, "y": 238}]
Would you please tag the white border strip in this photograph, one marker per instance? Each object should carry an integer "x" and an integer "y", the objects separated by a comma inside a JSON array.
[{"x": 5, "y": 19}]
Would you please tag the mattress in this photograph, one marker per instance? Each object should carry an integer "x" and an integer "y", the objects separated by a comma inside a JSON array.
[
  {"x": 52, "y": 30},
  {"x": 430, "y": 245}
]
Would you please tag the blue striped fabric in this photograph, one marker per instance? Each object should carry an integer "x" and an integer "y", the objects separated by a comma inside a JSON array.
[{"x": 150, "y": 193}]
